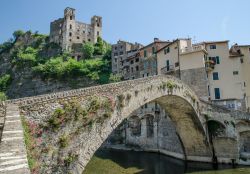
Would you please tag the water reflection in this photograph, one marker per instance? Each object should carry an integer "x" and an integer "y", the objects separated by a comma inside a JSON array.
[{"x": 153, "y": 163}]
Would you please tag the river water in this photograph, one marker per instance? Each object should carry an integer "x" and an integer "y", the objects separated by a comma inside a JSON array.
[{"x": 130, "y": 162}]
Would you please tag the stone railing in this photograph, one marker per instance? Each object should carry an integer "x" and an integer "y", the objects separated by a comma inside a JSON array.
[{"x": 2, "y": 117}]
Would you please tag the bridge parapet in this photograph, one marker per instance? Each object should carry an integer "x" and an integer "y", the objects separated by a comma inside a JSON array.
[{"x": 114, "y": 88}]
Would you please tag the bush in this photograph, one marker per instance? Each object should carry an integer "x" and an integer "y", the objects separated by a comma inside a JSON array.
[
  {"x": 115, "y": 78},
  {"x": 88, "y": 50},
  {"x": 63, "y": 141},
  {"x": 5, "y": 82},
  {"x": 3, "y": 97},
  {"x": 18, "y": 33}
]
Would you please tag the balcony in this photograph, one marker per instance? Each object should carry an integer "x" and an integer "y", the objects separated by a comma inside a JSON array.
[
  {"x": 167, "y": 70},
  {"x": 210, "y": 64}
]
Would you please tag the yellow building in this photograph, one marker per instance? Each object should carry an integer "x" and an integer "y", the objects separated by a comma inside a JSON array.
[{"x": 209, "y": 69}]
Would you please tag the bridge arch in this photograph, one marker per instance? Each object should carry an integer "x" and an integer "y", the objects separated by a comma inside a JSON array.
[{"x": 177, "y": 99}]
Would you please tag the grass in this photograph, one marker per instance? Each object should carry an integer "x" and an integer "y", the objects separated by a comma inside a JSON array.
[
  {"x": 29, "y": 142},
  {"x": 107, "y": 167},
  {"x": 227, "y": 171}
]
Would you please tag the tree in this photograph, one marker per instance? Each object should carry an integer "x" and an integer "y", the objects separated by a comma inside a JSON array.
[
  {"x": 18, "y": 33},
  {"x": 115, "y": 78},
  {"x": 88, "y": 50},
  {"x": 100, "y": 48}
]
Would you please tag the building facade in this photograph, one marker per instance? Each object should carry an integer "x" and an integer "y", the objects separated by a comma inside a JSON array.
[
  {"x": 125, "y": 60},
  {"x": 208, "y": 68},
  {"x": 70, "y": 34}
]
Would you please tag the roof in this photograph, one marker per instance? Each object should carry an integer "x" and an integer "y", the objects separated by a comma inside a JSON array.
[
  {"x": 172, "y": 43},
  {"x": 244, "y": 45},
  {"x": 158, "y": 41},
  {"x": 212, "y": 42},
  {"x": 194, "y": 51}
]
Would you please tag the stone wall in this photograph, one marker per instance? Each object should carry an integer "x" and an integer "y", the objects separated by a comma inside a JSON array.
[{"x": 197, "y": 80}]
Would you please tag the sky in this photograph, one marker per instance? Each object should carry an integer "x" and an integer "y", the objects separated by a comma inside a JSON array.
[{"x": 136, "y": 20}]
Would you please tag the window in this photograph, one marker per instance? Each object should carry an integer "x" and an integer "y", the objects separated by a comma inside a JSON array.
[
  {"x": 217, "y": 60},
  {"x": 70, "y": 34},
  {"x": 208, "y": 87},
  {"x": 217, "y": 93},
  {"x": 145, "y": 53},
  {"x": 71, "y": 17},
  {"x": 121, "y": 52},
  {"x": 137, "y": 60},
  {"x": 215, "y": 76},
  {"x": 70, "y": 26},
  {"x": 212, "y": 47},
  {"x": 137, "y": 68},
  {"x": 98, "y": 33},
  {"x": 241, "y": 60},
  {"x": 78, "y": 58},
  {"x": 153, "y": 50},
  {"x": 167, "y": 50},
  {"x": 115, "y": 54},
  {"x": 89, "y": 40},
  {"x": 115, "y": 60},
  {"x": 177, "y": 64},
  {"x": 132, "y": 69},
  {"x": 236, "y": 73},
  {"x": 244, "y": 84},
  {"x": 78, "y": 37},
  {"x": 115, "y": 48},
  {"x": 131, "y": 62}
]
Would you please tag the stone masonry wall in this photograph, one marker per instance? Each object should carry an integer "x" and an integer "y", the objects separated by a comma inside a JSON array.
[{"x": 197, "y": 80}]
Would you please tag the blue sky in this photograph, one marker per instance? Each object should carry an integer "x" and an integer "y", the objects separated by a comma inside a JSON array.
[{"x": 137, "y": 20}]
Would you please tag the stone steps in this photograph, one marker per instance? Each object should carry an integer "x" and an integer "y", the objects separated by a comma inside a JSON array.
[{"x": 13, "y": 156}]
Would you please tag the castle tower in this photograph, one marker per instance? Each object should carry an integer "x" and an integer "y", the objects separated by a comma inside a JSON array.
[
  {"x": 69, "y": 25},
  {"x": 96, "y": 23}
]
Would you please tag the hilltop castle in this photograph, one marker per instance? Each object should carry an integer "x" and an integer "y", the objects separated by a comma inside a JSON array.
[{"x": 69, "y": 33}]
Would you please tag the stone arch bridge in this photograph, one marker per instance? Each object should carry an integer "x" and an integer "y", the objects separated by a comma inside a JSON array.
[{"x": 188, "y": 113}]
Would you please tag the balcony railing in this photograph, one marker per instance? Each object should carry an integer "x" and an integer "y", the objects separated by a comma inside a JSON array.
[
  {"x": 210, "y": 64},
  {"x": 168, "y": 69}
]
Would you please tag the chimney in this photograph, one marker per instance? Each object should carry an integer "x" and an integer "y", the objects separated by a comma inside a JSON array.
[{"x": 156, "y": 39}]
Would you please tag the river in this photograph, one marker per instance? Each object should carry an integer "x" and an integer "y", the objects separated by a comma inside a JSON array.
[{"x": 131, "y": 162}]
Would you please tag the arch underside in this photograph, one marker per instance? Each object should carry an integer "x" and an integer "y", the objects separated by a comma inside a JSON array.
[{"x": 187, "y": 125}]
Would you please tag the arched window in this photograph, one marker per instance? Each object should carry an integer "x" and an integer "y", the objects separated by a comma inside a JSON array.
[
  {"x": 150, "y": 125},
  {"x": 70, "y": 26},
  {"x": 70, "y": 34},
  {"x": 134, "y": 123}
]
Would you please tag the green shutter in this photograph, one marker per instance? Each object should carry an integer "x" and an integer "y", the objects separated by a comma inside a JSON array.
[{"x": 217, "y": 60}]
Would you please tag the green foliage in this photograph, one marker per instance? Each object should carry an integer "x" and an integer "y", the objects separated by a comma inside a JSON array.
[
  {"x": 5, "y": 81},
  {"x": 100, "y": 47},
  {"x": 70, "y": 159},
  {"x": 3, "y": 97},
  {"x": 18, "y": 33},
  {"x": 94, "y": 104},
  {"x": 63, "y": 141},
  {"x": 120, "y": 100},
  {"x": 29, "y": 142},
  {"x": 6, "y": 46},
  {"x": 171, "y": 85},
  {"x": 26, "y": 57},
  {"x": 56, "y": 119},
  {"x": 88, "y": 50},
  {"x": 115, "y": 78},
  {"x": 59, "y": 69}
]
